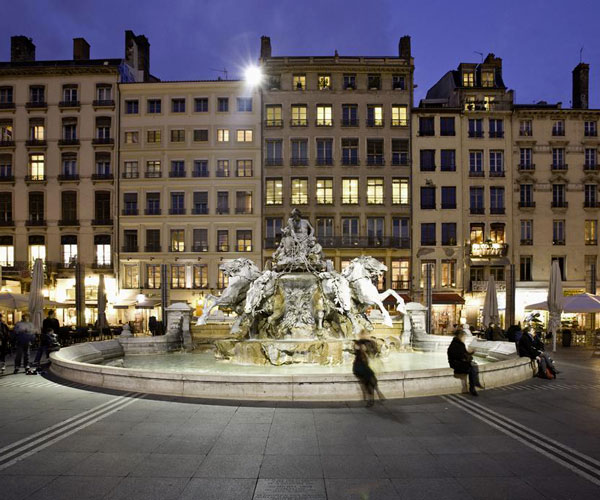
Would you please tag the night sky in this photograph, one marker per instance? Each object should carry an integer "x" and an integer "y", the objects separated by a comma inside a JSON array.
[{"x": 539, "y": 40}]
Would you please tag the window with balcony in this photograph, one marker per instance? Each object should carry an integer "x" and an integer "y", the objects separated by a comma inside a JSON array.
[
  {"x": 349, "y": 191},
  {"x": 299, "y": 82},
  {"x": 201, "y": 135},
  {"x": 324, "y": 115},
  {"x": 428, "y": 234},
  {"x": 526, "y": 232},
  {"x": 476, "y": 127},
  {"x": 68, "y": 166},
  {"x": 103, "y": 94},
  {"x": 6, "y": 132},
  {"x": 426, "y": 126},
  {"x": 374, "y": 116},
  {"x": 6, "y": 211},
  {"x": 526, "y": 196},
  {"x": 448, "y": 160},
  {"x": 476, "y": 163},
  {"x": 243, "y": 238},
  {"x": 178, "y": 105},
  {"x": 6, "y": 96},
  {"x": 349, "y": 115},
  {"x": 130, "y": 204},
  {"x": 131, "y": 107},
  {"x": 525, "y": 266},
  {"x": 153, "y": 280},
  {"x": 349, "y": 151},
  {"x": 401, "y": 230},
  {"x": 177, "y": 240},
  {"x": 399, "y": 115},
  {"x": 68, "y": 250},
  {"x": 476, "y": 233},
  {"x": 222, "y": 168},
  {"x": 299, "y": 115},
  {"x": 178, "y": 276},
  {"x": 350, "y": 229},
  {"x": 200, "y": 240},
  {"x": 558, "y": 128},
  {"x": 324, "y": 191},
  {"x": 448, "y": 197},
  {"x": 558, "y": 232},
  {"x": 103, "y": 124},
  {"x": 243, "y": 202},
  {"x": 526, "y": 159},
  {"x": 559, "y": 196},
  {"x": 222, "y": 135},
  {"x": 325, "y": 152},
  {"x": 201, "y": 105},
  {"x": 37, "y": 94},
  {"x": 375, "y": 191},
  {"x": 103, "y": 168},
  {"x": 476, "y": 200},
  {"x": 152, "y": 203},
  {"x": 349, "y": 82},
  {"x": 299, "y": 191},
  {"x": 399, "y": 151},
  {"x": 324, "y": 228},
  {"x": 273, "y": 115},
  {"x": 177, "y": 203},
  {"x": 7, "y": 251},
  {"x": 102, "y": 208},
  {"x": 6, "y": 167},
  {"x": 375, "y": 156},
  {"x": 469, "y": 103},
  {"x": 153, "y": 169},
  {"x": 200, "y": 206},
  {"x": 562, "y": 265},
  {"x": 427, "y": 157},
  {"x": 375, "y": 230},
  {"x": 244, "y": 135},
  {"x": 200, "y": 168},
  {"x": 427, "y": 198},
  {"x": 374, "y": 82},
  {"x": 177, "y": 168},
  {"x": 591, "y": 232},
  {"x": 37, "y": 248},
  {"x": 243, "y": 168},
  {"x": 300, "y": 152},
  {"x": 590, "y": 196},
  {"x": 590, "y": 129},
  {"x": 131, "y": 276},
  {"x": 591, "y": 159},
  {"x": 525, "y": 128},
  {"x": 153, "y": 106},
  {"x": 102, "y": 250},
  {"x": 37, "y": 130},
  {"x": 36, "y": 167},
  {"x": 558, "y": 159},
  {"x": 496, "y": 128},
  {"x": 274, "y": 191},
  {"x": 274, "y": 152},
  {"x": 222, "y": 240},
  {"x": 69, "y": 130},
  {"x": 400, "y": 274},
  {"x": 153, "y": 136},
  {"x": 130, "y": 240},
  {"x": 222, "y": 202},
  {"x": 130, "y": 170},
  {"x": 449, "y": 234},
  {"x": 497, "y": 200},
  {"x": 400, "y": 191},
  {"x": 324, "y": 82}
]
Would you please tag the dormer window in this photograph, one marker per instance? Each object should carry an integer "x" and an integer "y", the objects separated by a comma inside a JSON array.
[
  {"x": 468, "y": 78},
  {"x": 487, "y": 78}
]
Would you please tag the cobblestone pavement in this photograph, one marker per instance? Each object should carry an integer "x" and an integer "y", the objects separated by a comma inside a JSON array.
[{"x": 533, "y": 440}]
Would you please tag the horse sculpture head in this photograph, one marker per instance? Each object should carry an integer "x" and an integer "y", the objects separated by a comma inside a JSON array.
[
  {"x": 365, "y": 266},
  {"x": 240, "y": 267}
]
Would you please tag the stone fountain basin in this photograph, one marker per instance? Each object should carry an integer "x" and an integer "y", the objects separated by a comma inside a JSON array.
[{"x": 81, "y": 363}]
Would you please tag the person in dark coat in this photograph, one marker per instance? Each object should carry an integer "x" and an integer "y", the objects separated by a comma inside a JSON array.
[
  {"x": 153, "y": 325},
  {"x": 48, "y": 342},
  {"x": 51, "y": 323},
  {"x": 4, "y": 344},
  {"x": 24, "y": 333},
  {"x": 513, "y": 334},
  {"x": 363, "y": 348},
  {"x": 461, "y": 361},
  {"x": 531, "y": 346}
]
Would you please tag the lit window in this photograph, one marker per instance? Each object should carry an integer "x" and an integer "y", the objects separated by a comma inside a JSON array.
[
  {"x": 201, "y": 276},
  {"x": 131, "y": 276},
  {"x": 324, "y": 116},
  {"x": 243, "y": 202},
  {"x": 487, "y": 78},
  {"x": 103, "y": 249},
  {"x": 222, "y": 135},
  {"x": 274, "y": 191},
  {"x": 243, "y": 240},
  {"x": 243, "y": 168},
  {"x": 244, "y": 135},
  {"x": 6, "y": 131},
  {"x": 223, "y": 240},
  {"x": 375, "y": 191},
  {"x": 153, "y": 276},
  {"x": 222, "y": 280},
  {"x": 325, "y": 191},
  {"x": 448, "y": 274},
  {"x": 177, "y": 276},
  {"x": 299, "y": 115},
  {"x": 178, "y": 135},
  {"x": 222, "y": 168},
  {"x": 468, "y": 78},
  {"x": 424, "y": 265},
  {"x": 299, "y": 82},
  {"x": 400, "y": 274},
  {"x": 274, "y": 116},
  {"x": 488, "y": 102},
  {"x": 131, "y": 137},
  {"x": 177, "y": 240},
  {"x": 36, "y": 130},
  {"x": 591, "y": 232},
  {"x": 37, "y": 250},
  {"x": 324, "y": 82},
  {"x": 36, "y": 167},
  {"x": 7, "y": 251},
  {"x": 400, "y": 191},
  {"x": 399, "y": 116},
  {"x": 349, "y": 191},
  {"x": 375, "y": 116},
  {"x": 299, "y": 191},
  {"x": 153, "y": 136}
]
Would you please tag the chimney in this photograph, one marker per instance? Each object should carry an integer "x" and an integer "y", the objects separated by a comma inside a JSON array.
[
  {"x": 22, "y": 49},
  {"x": 81, "y": 49},
  {"x": 581, "y": 86},
  {"x": 404, "y": 47},
  {"x": 265, "y": 47},
  {"x": 137, "y": 53}
]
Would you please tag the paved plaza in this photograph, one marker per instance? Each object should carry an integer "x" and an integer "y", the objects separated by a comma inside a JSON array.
[{"x": 539, "y": 439}]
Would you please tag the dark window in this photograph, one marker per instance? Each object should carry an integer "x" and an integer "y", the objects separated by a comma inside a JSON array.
[
  {"x": 6, "y": 207},
  {"x": 561, "y": 266},
  {"x": 102, "y": 205},
  {"x": 223, "y": 104},
  {"x": 154, "y": 106},
  {"x": 349, "y": 115},
  {"x": 374, "y": 82},
  {"x": 244, "y": 103},
  {"x": 131, "y": 107},
  {"x": 201, "y": 105},
  {"x": 69, "y": 205},
  {"x": 449, "y": 233},
  {"x": 428, "y": 234},
  {"x": 153, "y": 240},
  {"x": 448, "y": 196},
  {"x": 476, "y": 195},
  {"x": 36, "y": 206},
  {"x": 448, "y": 160},
  {"x": 427, "y": 160},
  {"x": 525, "y": 268},
  {"x": 130, "y": 240},
  {"x": 153, "y": 203},
  {"x": 201, "y": 135},
  {"x": 200, "y": 168},
  {"x": 399, "y": 151},
  {"x": 398, "y": 82},
  {"x": 475, "y": 127},
  {"x": 200, "y": 203},
  {"x": 222, "y": 202},
  {"x": 447, "y": 125},
  {"x": 178, "y": 105},
  {"x": 427, "y": 198},
  {"x": 375, "y": 152},
  {"x": 130, "y": 204},
  {"x": 426, "y": 126},
  {"x": 349, "y": 151}
]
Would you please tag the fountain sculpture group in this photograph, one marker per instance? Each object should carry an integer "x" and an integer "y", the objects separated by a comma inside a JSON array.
[{"x": 300, "y": 310}]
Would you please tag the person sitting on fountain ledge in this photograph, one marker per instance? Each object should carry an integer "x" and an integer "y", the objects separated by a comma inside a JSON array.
[{"x": 461, "y": 361}]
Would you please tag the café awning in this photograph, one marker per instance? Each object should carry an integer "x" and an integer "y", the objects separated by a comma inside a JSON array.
[{"x": 447, "y": 298}]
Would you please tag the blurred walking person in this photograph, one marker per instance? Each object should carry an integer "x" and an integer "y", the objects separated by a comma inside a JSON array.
[
  {"x": 4, "y": 344},
  {"x": 363, "y": 348},
  {"x": 24, "y": 335}
]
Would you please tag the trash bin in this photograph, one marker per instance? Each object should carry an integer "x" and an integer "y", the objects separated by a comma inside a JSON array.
[{"x": 566, "y": 338}]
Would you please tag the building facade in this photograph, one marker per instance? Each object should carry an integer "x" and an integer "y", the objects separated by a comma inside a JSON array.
[
  {"x": 189, "y": 185},
  {"x": 58, "y": 126},
  {"x": 336, "y": 145}
]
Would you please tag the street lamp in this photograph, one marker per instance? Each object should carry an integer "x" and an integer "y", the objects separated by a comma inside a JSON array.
[{"x": 253, "y": 76}]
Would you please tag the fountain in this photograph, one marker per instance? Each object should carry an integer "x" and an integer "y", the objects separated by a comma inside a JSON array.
[{"x": 291, "y": 339}]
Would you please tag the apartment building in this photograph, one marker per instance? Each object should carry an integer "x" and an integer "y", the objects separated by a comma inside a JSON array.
[
  {"x": 556, "y": 203},
  {"x": 58, "y": 125},
  {"x": 336, "y": 145},
  {"x": 189, "y": 185},
  {"x": 462, "y": 180}
]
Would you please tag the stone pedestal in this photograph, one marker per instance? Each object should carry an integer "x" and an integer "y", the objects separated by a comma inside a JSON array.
[
  {"x": 179, "y": 316},
  {"x": 300, "y": 306}
]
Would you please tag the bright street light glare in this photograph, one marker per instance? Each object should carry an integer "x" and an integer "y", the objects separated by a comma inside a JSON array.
[{"x": 253, "y": 76}]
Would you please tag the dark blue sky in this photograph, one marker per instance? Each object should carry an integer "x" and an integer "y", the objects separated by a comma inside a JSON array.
[{"x": 539, "y": 40}]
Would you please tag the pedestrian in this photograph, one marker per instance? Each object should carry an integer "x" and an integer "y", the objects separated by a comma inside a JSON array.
[
  {"x": 51, "y": 323},
  {"x": 48, "y": 339},
  {"x": 460, "y": 360},
  {"x": 24, "y": 333},
  {"x": 363, "y": 348},
  {"x": 4, "y": 343},
  {"x": 531, "y": 346},
  {"x": 153, "y": 325}
]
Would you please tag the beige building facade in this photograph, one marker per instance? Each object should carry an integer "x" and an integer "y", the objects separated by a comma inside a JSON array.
[
  {"x": 336, "y": 145},
  {"x": 189, "y": 186}
]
